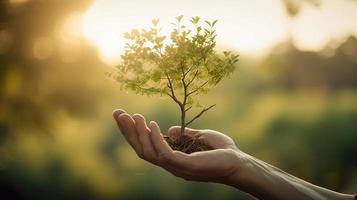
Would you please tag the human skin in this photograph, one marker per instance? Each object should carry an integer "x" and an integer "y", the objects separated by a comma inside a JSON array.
[{"x": 225, "y": 164}]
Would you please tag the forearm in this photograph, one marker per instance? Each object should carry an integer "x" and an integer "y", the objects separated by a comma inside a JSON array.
[{"x": 265, "y": 181}]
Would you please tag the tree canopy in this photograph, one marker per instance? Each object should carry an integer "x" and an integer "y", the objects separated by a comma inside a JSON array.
[{"x": 180, "y": 66}]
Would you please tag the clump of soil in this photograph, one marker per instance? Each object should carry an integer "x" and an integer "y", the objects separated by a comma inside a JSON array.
[{"x": 187, "y": 144}]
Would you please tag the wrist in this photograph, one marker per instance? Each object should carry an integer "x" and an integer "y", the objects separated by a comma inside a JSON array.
[
  {"x": 244, "y": 175},
  {"x": 255, "y": 177},
  {"x": 265, "y": 181}
]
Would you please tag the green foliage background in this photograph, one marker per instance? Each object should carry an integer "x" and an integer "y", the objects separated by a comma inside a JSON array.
[{"x": 294, "y": 109}]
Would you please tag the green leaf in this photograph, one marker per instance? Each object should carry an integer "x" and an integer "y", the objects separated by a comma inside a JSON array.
[
  {"x": 214, "y": 22},
  {"x": 179, "y": 18},
  {"x": 195, "y": 20}
]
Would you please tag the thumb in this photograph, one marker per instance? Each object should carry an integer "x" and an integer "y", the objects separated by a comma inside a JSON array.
[{"x": 175, "y": 131}]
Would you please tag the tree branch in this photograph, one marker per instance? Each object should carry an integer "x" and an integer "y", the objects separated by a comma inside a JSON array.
[
  {"x": 193, "y": 78},
  {"x": 174, "y": 98},
  {"x": 144, "y": 88},
  {"x": 188, "y": 71},
  {"x": 184, "y": 85},
  {"x": 196, "y": 73},
  {"x": 187, "y": 109},
  {"x": 172, "y": 95},
  {"x": 198, "y": 88},
  {"x": 200, "y": 114}
]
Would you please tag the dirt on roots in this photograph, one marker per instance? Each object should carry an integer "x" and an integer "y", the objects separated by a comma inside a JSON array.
[{"x": 187, "y": 144}]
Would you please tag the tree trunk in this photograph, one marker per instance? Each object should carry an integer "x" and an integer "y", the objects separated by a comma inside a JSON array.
[{"x": 183, "y": 121}]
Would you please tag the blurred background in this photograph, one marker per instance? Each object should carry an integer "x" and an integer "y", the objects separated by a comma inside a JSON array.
[{"x": 291, "y": 101}]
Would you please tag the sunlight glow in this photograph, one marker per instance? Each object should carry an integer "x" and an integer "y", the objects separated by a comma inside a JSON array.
[
  {"x": 104, "y": 35},
  {"x": 249, "y": 27}
]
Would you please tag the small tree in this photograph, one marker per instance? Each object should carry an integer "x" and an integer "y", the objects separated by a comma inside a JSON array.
[{"x": 180, "y": 68}]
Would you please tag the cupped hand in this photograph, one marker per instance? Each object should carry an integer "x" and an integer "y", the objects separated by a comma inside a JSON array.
[{"x": 220, "y": 165}]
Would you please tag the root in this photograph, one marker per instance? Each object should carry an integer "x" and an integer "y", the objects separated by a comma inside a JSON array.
[{"x": 187, "y": 144}]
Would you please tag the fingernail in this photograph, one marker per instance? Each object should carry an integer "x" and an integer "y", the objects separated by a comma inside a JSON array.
[
  {"x": 151, "y": 123},
  {"x": 122, "y": 118},
  {"x": 117, "y": 112}
]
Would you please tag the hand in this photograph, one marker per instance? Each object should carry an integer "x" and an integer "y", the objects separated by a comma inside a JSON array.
[
  {"x": 221, "y": 165},
  {"x": 224, "y": 164}
]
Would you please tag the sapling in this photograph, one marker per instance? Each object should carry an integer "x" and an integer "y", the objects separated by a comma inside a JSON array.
[{"x": 180, "y": 66}]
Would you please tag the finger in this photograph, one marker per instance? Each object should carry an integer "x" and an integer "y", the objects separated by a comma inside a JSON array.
[
  {"x": 175, "y": 131},
  {"x": 176, "y": 162},
  {"x": 160, "y": 145},
  {"x": 170, "y": 159},
  {"x": 127, "y": 127},
  {"x": 117, "y": 112},
  {"x": 148, "y": 152}
]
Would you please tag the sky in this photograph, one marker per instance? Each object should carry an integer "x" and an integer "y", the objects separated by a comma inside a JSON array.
[{"x": 249, "y": 27}]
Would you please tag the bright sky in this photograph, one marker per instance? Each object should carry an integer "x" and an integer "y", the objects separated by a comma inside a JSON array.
[{"x": 249, "y": 26}]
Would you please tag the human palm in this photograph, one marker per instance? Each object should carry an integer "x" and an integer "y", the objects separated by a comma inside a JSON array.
[{"x": 216, "y": 165}]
